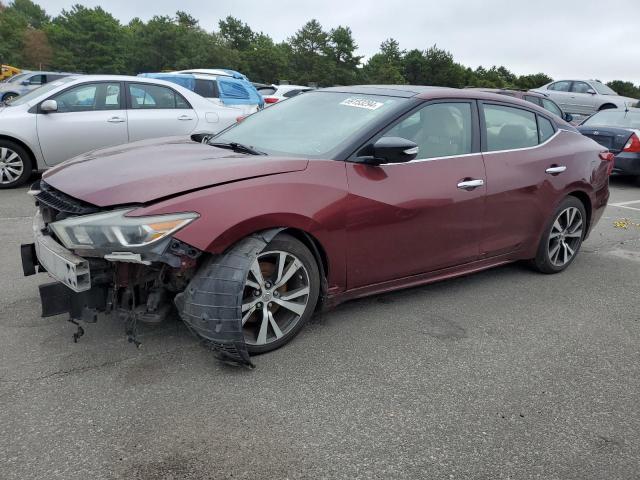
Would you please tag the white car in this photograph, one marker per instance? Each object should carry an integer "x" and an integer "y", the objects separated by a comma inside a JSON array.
[
  {"x": 76, "y": 114},
  {"x": 276, "y": 93},
  {"x": 584, "y": 97}
]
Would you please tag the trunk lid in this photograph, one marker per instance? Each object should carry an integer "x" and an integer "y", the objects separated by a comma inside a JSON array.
[
  {"x": 612, "y": 138},
  {"x": 146, "y": 171}
]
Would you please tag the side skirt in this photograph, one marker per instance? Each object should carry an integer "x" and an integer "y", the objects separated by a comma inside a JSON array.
[{"x": 421, "y": 279}]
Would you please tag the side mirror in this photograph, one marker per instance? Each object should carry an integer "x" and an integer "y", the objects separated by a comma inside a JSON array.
[
  {"x": 49, "y": 106},
  {"x": 591, "y": 91},
  {"x": 568, "y": 117},
  {"x": 391, "y": 150},
  {"x": 25, "y": 82}
]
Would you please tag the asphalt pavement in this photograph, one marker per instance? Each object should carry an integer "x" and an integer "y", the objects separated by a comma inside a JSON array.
[{"x": 502, "y": 374}]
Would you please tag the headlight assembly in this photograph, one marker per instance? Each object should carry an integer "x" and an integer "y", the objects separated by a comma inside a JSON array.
[{"x": 115, "y": 231}]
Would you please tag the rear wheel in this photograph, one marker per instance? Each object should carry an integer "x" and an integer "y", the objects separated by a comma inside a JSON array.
[
  {"x": 15, "y": 165},
  {"x": 563, "y": 237},
  {"x": 280, "y": 294}
]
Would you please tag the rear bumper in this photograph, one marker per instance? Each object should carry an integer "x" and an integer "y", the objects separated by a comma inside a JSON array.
[{"x": 627, "y": 163}]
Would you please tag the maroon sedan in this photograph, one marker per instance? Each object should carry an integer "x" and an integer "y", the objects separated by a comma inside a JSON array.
[{"x": 332, "y": 195}]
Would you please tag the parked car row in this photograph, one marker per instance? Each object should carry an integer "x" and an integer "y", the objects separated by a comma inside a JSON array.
[
  {"x": 25, "y": 82},
  {"x": 584, "y": 96},
  {"x": 76, "y": 114}
]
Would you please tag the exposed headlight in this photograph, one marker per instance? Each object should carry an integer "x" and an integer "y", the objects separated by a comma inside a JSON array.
[{"x": 114, "y": 230}]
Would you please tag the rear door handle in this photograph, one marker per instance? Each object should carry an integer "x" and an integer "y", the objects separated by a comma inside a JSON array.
[
  {"x": 185, "y": 117},
  {"x": 470, "y": 184},
  {"x": 116, "y": 120},
  {"x": 556, "y": 169}
]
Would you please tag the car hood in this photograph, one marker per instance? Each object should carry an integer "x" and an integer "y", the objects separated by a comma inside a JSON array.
[{"x": 141, "y": 172}]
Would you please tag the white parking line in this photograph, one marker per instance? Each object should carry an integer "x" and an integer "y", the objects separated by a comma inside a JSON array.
[{"x": 626, "y": 205}]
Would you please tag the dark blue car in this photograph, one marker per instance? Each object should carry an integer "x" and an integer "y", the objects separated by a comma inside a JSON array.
[{"x": 619, "y": 131}]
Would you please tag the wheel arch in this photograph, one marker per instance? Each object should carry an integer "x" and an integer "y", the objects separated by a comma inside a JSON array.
[
  {"x": 15, "y": 94},
  {"x": 586, "y": 202},
  {"x": 607, "y": 106}
]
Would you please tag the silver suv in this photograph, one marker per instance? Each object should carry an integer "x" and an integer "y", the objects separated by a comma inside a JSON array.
[{"x": 584, "y": 97}]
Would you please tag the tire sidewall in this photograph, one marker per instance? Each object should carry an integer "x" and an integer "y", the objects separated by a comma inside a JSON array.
[
  {"x": 26, "y": 161},
  {"x": 290, "y": 244},
  {"x": 542, "y": 261}
]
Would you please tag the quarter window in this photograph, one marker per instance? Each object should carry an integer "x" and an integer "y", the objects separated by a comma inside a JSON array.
[
  {"x": 509, "y": 128},
  {"x": 89, "y": 97},
  {"x": 155, "y": 97},
  {"x": 440, "y": 130},
  {"x": 562, "y": 86},
  {"x": 546, "y": 129}
]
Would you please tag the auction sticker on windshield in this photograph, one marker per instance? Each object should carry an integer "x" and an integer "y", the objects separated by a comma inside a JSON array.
[{"x": 362, "y": 103}]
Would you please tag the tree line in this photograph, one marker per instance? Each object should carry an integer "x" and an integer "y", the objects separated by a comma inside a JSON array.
[{"x": 91, "y": 40}]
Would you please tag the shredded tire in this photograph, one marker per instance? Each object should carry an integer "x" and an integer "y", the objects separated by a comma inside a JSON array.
[{"x": 211, "y": 305}]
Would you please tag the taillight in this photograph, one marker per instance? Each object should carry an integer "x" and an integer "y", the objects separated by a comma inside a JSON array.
[
  {"x": 633, "y": 145},
  {"x": 609, "y": 158},
  {"x": 270, "y": 99}
]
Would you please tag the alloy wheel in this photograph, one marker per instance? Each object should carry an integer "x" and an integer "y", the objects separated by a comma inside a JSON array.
[
  {"x": 565, "y": 236},
  {"x": 11, "y": 166},
  {"x": 275, "y": 297}
]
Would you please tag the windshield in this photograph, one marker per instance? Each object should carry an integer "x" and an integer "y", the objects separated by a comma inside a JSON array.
[
  {"x": 602, "y": 89},
  {"x": 313, "y": 125},
  {"x": 15, "y": 78},
  {"x": 34, "y": 94},
  {"x": 615, "y": 118}
]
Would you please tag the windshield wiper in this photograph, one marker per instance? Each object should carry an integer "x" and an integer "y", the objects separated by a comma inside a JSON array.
[{"x": 237, "y": 147}]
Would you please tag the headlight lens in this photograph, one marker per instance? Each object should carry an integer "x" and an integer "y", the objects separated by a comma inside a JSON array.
[{"x": 114, "y": 230}]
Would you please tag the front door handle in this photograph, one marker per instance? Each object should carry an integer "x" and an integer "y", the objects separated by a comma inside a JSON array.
[
  {"x": 556, "y": 169},
  {"x": 185, "y": 117},
  {"x": 470, "y": 184},
  {"x": 116, "y": 120}
]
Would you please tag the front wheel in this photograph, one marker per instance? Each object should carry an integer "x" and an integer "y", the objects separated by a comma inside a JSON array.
[
  {"x": 15, "y": 165},
  {"x": 562, "y": 238},
  {"x": 280, "y": 294},
  {"x": 9, "y": 96}
]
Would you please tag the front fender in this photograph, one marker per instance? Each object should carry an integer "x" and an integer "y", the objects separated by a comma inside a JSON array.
[{"x": 314, "y": 201}]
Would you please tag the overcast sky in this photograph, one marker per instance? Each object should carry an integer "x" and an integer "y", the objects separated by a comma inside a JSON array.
[{"x": 564, "y": 39}]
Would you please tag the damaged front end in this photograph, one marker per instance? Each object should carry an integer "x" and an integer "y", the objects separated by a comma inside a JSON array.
[{"x": 110, "y": 261}]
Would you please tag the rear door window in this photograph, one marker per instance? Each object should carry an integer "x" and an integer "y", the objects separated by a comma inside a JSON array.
[
  {"x": 509, "y": 128},
  {"x": 147, "y": 96}
]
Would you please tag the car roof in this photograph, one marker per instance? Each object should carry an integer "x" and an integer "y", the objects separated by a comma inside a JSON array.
[
  {"x": 404, "y": 91},
  {"x": 289, "y": 87},
  {"x": 45, "y": 72},
  {"x": 433, "y": 93},
  {"x": 509, "y": 91},
  {"x": 205, "y": 71}
]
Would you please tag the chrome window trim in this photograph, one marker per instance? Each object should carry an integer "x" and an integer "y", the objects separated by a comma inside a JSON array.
[{"x": 418, "y": 160}]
